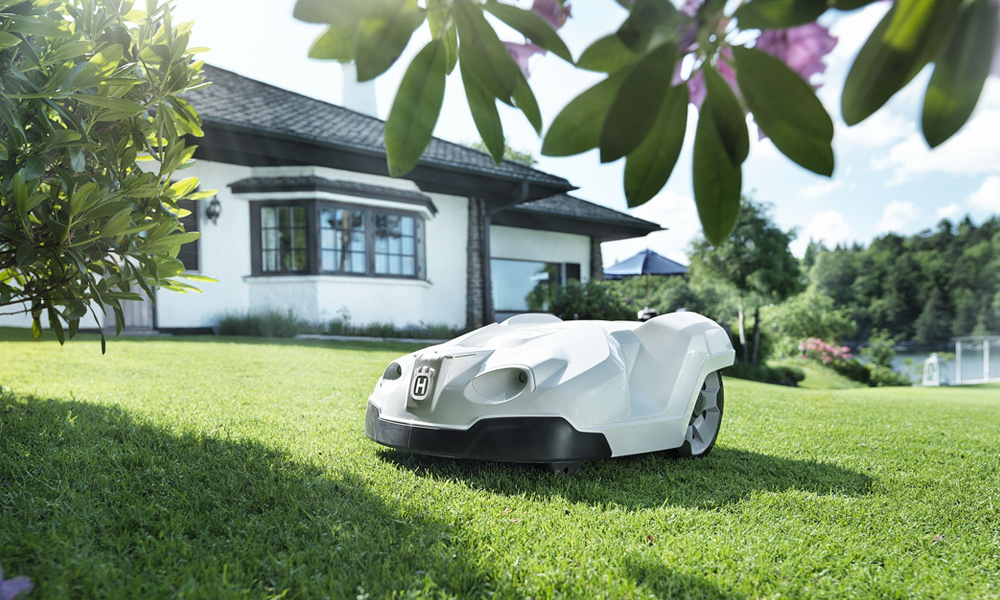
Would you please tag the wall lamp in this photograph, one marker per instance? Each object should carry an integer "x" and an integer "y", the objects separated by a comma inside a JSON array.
[{"x": 214, "y": 210}]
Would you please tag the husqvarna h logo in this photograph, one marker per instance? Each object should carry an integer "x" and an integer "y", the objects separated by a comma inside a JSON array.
[{"x": 421, "y": 383}]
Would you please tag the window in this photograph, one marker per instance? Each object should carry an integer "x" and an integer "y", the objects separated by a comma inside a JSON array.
[
  {"x": 318, "y": 237},
  {"x": 284, "y": 246},
  {"x": 342, "y": 241},
  {"x": 395, "y": 245},
  {"x": 527, "y": 286},
  {"x": 188, "y": 254}
]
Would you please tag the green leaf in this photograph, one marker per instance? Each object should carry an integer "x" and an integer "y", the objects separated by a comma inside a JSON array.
[
  {"x": 577, "y": 128},
  {"x": 485, "y": 53},
  {"x": 124, "y": 106},
  {"x": 532, "y": 27},
  {"x": 960, "y": 72},
  {"x": 336, "y": 43},
  {"x": 650, "y": 23},
  {"x": 648, "y": 167},
  {"x": 717, "y": 180},
  {"x": 26, "y": 254},
  {"x": 56, "y": 325},
  {"x": 75, "y": 309},
  {"x": 606, "y": 55},
  {"x": 637, "y": 103},
  {"x": 906, "y": 39},
  {"x": 524, "y": 99},
  {"x": 851, "y": 4},
  {"x": 416, "y": 108},
  {"x": 40, "y": 26},
  {"x": 8, "y": 40},
  {"x": 727, "y": 116},
  {"x": 332, "y": 12},
  {"x": 778, "y": 14},
  {"x": 443, "y": 27},
  {"x": 382, "y": 39},
  {"x": 484, "y": 112},
  {"x": 786, "y": 109}
]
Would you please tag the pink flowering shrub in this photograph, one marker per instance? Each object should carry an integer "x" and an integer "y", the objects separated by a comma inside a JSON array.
[{"x": 820, "y": 351}]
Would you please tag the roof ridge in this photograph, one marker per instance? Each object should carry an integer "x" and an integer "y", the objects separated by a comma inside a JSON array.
[{"x": 381, "y": 122}]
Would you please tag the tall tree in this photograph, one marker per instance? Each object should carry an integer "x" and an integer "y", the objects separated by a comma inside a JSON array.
[
  {"x": 87, "y": 89},
  {"x": 757, "y": 261}
]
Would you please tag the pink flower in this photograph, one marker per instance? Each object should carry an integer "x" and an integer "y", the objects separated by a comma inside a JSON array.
[
  {"x": 801, "y": 48},
  {"x": 690, "y": 7},
  {"x": 521, "y": 53},
  {"x": 696, "y": 84},
  {"x": 12, "y": 588},
  {"x": 552, "y": 11}
]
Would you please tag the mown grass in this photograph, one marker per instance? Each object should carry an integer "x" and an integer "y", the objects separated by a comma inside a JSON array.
[
  {"x": 819, "y": 377},
  {"x": 224, "y": 468}
]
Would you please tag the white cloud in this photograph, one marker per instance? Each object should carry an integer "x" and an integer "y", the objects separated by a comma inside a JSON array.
[
  {"x": 897, "y": 216},
  {"x": 973, "y": 151},
  {"x": 952, "y": 212},
  {"x": 820, "y": 189},
  {"x": 987, "y": 197},
  {"x": 882, "y": 129},
  {"x": 829, "y": 227}
]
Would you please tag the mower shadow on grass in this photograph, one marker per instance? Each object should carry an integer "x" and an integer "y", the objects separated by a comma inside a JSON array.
[
  {"x": 724, "y": 477},
  {"x": 95, "y": 502}
]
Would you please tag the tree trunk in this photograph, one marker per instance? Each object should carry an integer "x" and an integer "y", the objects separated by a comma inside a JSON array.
[
  {"x": 756, "y": 335},
  {"x": 743, "y": 331}
]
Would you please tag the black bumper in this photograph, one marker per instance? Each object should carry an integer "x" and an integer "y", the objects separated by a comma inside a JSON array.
[{"x": 507, "y": 439}]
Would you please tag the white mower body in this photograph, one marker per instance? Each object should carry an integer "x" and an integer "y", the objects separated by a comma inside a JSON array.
[{"x": 538, "y": 389}]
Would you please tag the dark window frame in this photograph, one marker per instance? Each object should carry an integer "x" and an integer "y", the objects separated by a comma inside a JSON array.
[{"x": 314, "y": 228}]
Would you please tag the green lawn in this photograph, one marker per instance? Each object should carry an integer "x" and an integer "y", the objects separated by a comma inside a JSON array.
[{"x": 216, "y": 468}]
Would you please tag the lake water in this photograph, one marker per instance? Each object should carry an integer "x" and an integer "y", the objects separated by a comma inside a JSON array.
[{"x": 973, "y": 366}]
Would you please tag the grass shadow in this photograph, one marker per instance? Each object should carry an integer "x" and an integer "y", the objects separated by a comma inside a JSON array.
[
  {"x": 724, "y": 477},
  {"x": 97, "y": 503}
]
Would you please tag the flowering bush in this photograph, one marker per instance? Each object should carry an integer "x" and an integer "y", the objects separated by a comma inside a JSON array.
[
  {"x": 839, "y": 358},
  {"x": 817, "y": 349}
]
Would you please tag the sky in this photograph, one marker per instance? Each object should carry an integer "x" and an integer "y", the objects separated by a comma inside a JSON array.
[{"x": 886, "y": 179}]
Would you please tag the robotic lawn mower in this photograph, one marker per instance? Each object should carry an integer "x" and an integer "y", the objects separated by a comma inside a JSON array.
[{"x": 536, "y": 389}]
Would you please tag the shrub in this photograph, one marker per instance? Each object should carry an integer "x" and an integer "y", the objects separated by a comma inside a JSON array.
[
  {"x": 591, "y": 300},
  {"x": 874, "y": 374},
  {"x": 420, "y": 331},
  {"x": 268, "y": 323},
  {"x": 781, "y": 375}
]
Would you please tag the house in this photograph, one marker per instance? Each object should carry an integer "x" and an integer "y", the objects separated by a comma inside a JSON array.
[{"x": 308, "y": 219}]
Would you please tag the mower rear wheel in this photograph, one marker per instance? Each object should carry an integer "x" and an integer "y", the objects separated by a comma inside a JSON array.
[{"x": 706, "y": 419}]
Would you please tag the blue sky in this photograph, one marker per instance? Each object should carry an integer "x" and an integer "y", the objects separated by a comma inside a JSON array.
[{"x": 885, "y": 179}]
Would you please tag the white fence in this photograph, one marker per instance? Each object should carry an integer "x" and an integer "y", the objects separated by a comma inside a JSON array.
[{"x": 977, "y": 360}]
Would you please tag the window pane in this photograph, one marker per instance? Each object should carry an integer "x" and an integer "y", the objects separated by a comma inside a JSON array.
[
  {"x": 358, "y": 263},
  {"x": 267, "y": 218},
  {"x": 407, "y": 225},
  {"x": 270, "y": 261},
  {"x": 326, "y": 260},
  {"x": 521, "y": 285},
  {"x": 408, "y": 247},
  {"x": 409, "y": 266},
  {"x": 381, "y": 245},
  {"x": 298, "y": 216},
  {"x": 395, "y": 265},
  {"x": 381, "y": 263},
  {"x": 395, "y": 245},
  {"x": 282, "y": 213}
]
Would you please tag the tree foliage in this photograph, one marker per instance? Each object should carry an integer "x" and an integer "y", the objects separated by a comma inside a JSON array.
[
  {"x": 729, "y": 59},
  {"x": 757, "y": 262},
  {"x": 927, "y": 288},
  {"x": 88, "y": 89}
]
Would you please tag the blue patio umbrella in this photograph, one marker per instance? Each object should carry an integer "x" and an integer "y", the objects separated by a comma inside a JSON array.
[{"x": 645, "y": 263}]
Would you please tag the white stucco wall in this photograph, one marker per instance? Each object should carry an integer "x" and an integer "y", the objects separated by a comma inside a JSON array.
[
  {"x": 225, "y": 255},
  {"x": 545, "y": 246}
]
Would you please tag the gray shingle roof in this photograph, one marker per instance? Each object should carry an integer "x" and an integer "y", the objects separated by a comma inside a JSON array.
[
  {"x": 571, "y": 206},
  {"x": 239, "y": 101}
]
